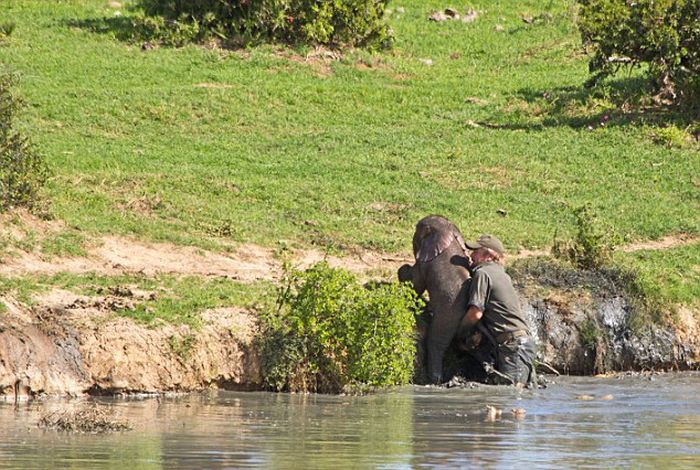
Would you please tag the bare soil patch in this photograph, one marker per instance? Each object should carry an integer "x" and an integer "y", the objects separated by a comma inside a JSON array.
[
  {"x": 219, "y": 86},
  {"x": 114, "y": 255},
  {"x": 670, "y": 241}
]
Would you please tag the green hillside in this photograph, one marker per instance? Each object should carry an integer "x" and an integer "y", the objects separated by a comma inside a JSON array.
[{"x": 484, "y": 122}]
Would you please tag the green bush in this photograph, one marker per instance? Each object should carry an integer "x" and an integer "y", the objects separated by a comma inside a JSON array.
[
  {"x": 665, "y": 34},
  {"x": 593, "y": 244},
  {"x": 328, "y": 333},
  {"x": 240, "y": 22},
  {"x": 22, "y": 170}
]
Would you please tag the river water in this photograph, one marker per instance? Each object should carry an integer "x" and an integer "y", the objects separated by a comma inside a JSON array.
[{"x": 650, "y": 421}]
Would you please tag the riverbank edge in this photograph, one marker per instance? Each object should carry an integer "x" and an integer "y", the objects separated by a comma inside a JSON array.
[{"x": 68, "y": 347}]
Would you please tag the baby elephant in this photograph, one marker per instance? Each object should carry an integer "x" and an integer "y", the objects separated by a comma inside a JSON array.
[{"x": 441, "y": 269}]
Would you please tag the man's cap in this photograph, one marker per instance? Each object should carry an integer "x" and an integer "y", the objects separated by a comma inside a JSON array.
[{"x": 487, "y": 241}]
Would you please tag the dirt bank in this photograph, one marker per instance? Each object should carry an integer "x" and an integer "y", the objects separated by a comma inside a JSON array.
[
  {"x": 65, "y": 343},
  {"x": 585, "y": 324},
  {"x": 71, "y": 345},
  {"x": 68, "y": 344}
]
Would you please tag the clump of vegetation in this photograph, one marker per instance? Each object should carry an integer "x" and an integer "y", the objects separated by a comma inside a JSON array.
[
  {"x": 590, "y": 333},
  {"x": 182, "y": 345},
  {"x": 657, "y": 283},
  {"x": 665, "y": 34},
  {"x": 65, "y": 243},
  {"x": 593, "y": 244},
  {"x": 6, "y": 29},
  {"x": 674, "y": 137},
  {"x": 328, "y": 333},
  {"x": 92, "y": 420},
  {"x": 341, "y": 22},
  {"x": 23, "y": 171}
]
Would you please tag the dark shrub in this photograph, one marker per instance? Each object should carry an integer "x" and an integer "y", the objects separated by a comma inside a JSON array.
[
  {"x": 239, "y": 22},
  {"x": 665, "y": 34},
  {"x": 329, "y": 333},
  {"x": 22, "y": 170}
]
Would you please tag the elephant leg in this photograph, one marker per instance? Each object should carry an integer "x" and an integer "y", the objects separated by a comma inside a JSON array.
[{"x": 442, "y": 330}]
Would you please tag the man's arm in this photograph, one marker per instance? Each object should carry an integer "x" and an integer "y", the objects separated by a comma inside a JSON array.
[{"x": 478, "y": 294}]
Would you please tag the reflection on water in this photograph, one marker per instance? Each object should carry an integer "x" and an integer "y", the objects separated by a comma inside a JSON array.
[{"x": 647, "y": 423}]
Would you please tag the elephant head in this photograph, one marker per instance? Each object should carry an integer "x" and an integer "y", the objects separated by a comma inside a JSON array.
[{"x": 433, "y": 235}]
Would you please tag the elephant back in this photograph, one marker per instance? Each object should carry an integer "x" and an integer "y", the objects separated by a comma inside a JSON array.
[{"x": 433, "y": 235}]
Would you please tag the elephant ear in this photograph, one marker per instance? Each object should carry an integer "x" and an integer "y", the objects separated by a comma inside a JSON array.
[
  {"x": 433, "y": 235},
  {"x": 433, "y": 245},
  {"x": 460, "y": 240}
]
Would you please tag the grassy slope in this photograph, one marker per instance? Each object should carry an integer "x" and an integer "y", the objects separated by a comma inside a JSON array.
[
  {"x": 362, "y": 153},
  {"x": 175, "y": 299}
]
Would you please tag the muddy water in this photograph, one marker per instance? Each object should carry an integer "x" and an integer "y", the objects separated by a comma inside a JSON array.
[{"x": 650, "y": 421}]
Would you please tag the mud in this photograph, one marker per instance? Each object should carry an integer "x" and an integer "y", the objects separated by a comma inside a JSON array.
[
  {"x": 88, "y": 419},
  {"x": 582, "y": 325},
  {"x": 76, "y": 345}
]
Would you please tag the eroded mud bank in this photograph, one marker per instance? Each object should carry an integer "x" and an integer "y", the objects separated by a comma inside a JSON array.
[
  {"x": 585, "y": 323},
  {"x": 73, "y": 345},
  {"x": 68, "y": 344}
]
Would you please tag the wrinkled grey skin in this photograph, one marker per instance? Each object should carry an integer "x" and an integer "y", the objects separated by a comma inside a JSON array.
[{"x": 441, "y": 269}]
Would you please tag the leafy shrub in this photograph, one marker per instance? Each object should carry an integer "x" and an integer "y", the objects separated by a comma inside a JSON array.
[
  {"x": 328, "y": 333},
  {"x": 662, "y": 33},
  {"x": 22, "y": 171},
  {"x": 673, "y": 136},
  {"x": 593, "y": 244},
  {"x": 239, "y": 22},
  {"x": 168, "y": 33}
]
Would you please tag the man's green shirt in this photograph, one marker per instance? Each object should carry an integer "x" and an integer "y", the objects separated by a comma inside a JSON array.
[{"x": 492, "y": 292}]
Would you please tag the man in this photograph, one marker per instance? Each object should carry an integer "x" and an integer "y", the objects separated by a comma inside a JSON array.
[{"x": 494, "y": 310}]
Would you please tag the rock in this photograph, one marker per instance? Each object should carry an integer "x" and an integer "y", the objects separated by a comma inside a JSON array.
[
  {"x": 451, "y": 13},
  {"x": 585, "y": 397},
  {"x": 475, "y": 100},
  {"x": 493, "y": 413},
  {"x": 470, "y": 16},
  {"x": 88, "y": 419},
  {"x": 438, "y": 16}
]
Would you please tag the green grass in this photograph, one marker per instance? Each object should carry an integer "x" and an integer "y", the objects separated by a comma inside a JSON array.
[
  {"x": 498, "y": 124},
  {"x": 137, "y": 148},
  {"x": 669, "y": 277},
  {"x": 178, "y": 300},
  {"x": 64, "y": 243}
]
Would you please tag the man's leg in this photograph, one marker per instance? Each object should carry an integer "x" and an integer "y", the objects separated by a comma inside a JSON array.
[{"x": 515, "y": 361}]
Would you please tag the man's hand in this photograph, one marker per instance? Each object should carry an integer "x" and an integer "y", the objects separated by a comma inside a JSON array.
[
  {"x": 473, "y": 315},
  {"x": 471, "y": 342}
]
